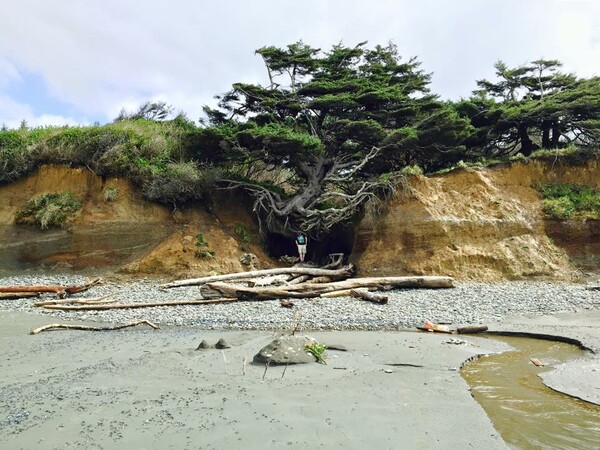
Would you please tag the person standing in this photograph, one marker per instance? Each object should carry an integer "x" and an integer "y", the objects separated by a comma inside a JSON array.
[{"x": 301, "y": 242}]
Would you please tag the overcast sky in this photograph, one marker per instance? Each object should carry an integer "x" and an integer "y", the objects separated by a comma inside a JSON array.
[{"x": 81, "y": 61}]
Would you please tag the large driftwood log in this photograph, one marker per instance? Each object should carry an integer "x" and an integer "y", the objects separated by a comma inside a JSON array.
[
  {"x": 54, "y": 289},
  {"x": 59, "y": 326},
  {"x": 344, "y": 272},
  {"x": 138, "y": 305},
  {"x": 316, "y": 289},
  {"x": 273, "y": 280}
]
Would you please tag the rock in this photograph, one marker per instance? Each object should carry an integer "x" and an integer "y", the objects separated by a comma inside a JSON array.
[
  {"x": 249, "y": 259},
  {"x": 221, "y": 343},
  {"x": 286, "y": 350},
  {"x": 203, "y": 345}
]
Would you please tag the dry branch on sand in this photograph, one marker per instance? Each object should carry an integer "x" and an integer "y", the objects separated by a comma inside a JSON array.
[
  {"x": 78, "y": 301},
  {"x": 138, "y": 305},
  {"x": 17, "y": 295},
  {"x": 61, "y": 326},
  {"x": 59, "y": 290}
]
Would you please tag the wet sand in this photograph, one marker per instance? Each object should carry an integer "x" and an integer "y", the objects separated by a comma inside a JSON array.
[{"x": 140, "y": 388}]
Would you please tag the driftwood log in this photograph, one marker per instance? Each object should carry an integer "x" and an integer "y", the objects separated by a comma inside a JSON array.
[
  {"x": 60, "y": 326},
  {"x": 304, "y": 290},
  {"x": 138, "y": 305},
  {"x": 61, "y": 290},
  {"x": 344, "y": 272},
  {"x": 364, "y": 294},
  {"x": 17, "y": 295},
  {"x": 79, "y": 301}
]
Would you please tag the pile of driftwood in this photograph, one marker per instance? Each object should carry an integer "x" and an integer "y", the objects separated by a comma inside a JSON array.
[
  {"x": 304, "y": 282},
  {"x": 270, "y": 284}
]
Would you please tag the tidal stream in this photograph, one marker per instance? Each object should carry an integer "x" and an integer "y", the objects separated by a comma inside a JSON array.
[{"x": 526, "y": 413}]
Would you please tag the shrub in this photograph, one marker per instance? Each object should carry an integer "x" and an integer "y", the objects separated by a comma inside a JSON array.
[
  {"x": 565, "y": 201},
  {"x": 242, "y": 233},
  {"x": 412, "y": 170},
  {"x": 49, "y": 210},
  {"x": 317, "y": 350}
]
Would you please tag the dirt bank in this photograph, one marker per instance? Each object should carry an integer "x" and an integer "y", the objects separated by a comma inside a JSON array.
[
  {"x": 483, "y": 225},
  {"x": 477, "y": 225}
]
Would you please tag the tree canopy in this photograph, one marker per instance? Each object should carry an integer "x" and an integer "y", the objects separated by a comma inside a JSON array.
[
  {"x": 335, "y": 121},
  {"x": 533, "y": 106}
]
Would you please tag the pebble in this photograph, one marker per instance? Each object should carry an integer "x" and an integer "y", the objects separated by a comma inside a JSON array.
[{"x": 467, "y": 303}]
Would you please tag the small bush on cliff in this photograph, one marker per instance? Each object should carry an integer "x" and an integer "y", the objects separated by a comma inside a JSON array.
[
  {"x": 569, "y": 201},
  {"x": 48, "y": 210}
]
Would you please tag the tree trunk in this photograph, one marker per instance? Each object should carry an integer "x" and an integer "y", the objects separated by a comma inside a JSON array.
[
  {"x": 527, "y": 145},
  {"x": 546, "y": 126}
]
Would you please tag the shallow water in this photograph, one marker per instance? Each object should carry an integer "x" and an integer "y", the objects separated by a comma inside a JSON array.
[
  {"x": 526, "y": 413},
  {"x": 98, "y": 248}
]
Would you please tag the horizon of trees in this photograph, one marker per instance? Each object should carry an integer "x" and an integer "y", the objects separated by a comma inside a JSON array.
[{"x": 326, "y": 134}]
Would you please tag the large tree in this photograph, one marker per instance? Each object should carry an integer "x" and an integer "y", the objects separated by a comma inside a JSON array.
[
  {"x": 533, "y": 106},
  {"x": 334, "y": 121}
]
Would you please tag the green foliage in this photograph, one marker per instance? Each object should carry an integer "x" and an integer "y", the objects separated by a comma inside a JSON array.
[
  {"x": 242, "y": 233},
  {"x": 569, "y": 201},
  {"x": 202, "y": 248},
  {"x": 412, "y": 170},
  {"x": 49, "y": 210},
  {"x": 318, "y": 351}
]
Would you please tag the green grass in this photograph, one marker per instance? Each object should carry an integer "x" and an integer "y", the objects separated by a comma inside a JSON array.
[
  {"x": 570, "y": 201},
  {"x": 317, "y": 350},
  {"x": 49, "y": 210}
]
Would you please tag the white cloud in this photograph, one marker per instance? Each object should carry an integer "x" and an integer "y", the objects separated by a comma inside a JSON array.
[
  {"x": 12, "y": 113},
  {"x": 98, "y": 57}
]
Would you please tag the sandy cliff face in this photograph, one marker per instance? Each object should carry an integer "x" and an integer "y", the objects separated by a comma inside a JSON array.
[
  {"x": 481, "y": 225},
  {"x": 173, "y": 257}
]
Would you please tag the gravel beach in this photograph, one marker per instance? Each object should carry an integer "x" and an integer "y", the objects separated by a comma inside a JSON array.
[{"x": 467, "y": 303}]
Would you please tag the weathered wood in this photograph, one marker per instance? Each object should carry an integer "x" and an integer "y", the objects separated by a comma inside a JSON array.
[
  {"x": 316, "y": 289},
  {"x": 17, "y": 295},
  {"x": 60, "y": 326},
  {"x": 53, "y": 289},
  {"x": 364, "y": 294},
  {"x": 345, "y": 271},
  {"x": 139, "y": 305},
  {"x": 472, "y": 329},
  {"x": 333, "y": 294},
  {"x": 274, "y": 280},
  {"x": 83, "y": 301},
  {"x": 300, "y": 279}
]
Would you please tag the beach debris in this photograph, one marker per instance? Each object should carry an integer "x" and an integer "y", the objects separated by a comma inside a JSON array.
[
  {"x": 429, "y": 326},
  {"x": 388, "y": 370},
  {"x": 364, "y": 294},
  {"x": 454, "y": 341},
  {"x": 537, "y": 362},
  {"x": 244, "y": 362},
  {"x": 17, "y": 295},
  {"x": 286, "y": 349},
  {"x": 203, "y": 345},
  {"x": 138, "y": 305},
  {"x": 59, "y": 326},
  {"x": 403, "y": 365},
  {"x": 61, "y": 291},
  {"x": 221, "y": 344},
  {"x": 344, "y": 272},
  {"x": 77, "y": 301},
  {"x": 470, "y": 329},
  {"x": 286, "y": 303}
]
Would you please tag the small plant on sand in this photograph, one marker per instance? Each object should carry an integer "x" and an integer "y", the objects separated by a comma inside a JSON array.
[
  {"x": 111, "y": 194},
  {"x": 202, "y": 248},
  {"x": 317, "y": 350},
  {"x": 48, "y": 210},
  {"x": 242, "y": 233}
]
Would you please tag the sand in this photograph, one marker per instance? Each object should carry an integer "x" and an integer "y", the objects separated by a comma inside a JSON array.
[{"x": 139, "y": 388}]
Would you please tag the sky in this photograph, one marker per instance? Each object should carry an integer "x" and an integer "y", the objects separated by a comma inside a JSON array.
[{"x": 79, "y": 62}]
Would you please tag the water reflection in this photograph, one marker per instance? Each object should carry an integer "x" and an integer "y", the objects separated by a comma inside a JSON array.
[{"x": 101, "y": 248}]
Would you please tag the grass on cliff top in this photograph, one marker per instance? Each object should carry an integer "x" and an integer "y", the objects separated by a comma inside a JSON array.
[{"x": 570, "y": 201}]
